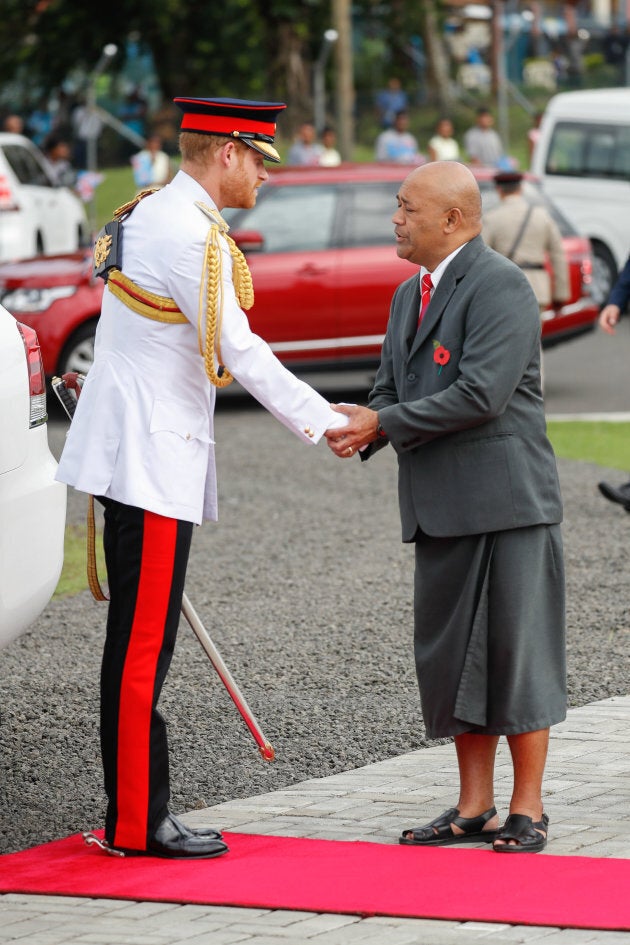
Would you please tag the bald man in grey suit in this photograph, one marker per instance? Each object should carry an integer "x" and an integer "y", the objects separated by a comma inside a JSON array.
[{"x": 458, "y": 397}]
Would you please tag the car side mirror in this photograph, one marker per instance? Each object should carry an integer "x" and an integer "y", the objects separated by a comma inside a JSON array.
[{"x": 248, "y": 241}]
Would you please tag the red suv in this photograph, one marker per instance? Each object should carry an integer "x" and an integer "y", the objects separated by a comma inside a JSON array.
[{"x": 320, "y": 245}]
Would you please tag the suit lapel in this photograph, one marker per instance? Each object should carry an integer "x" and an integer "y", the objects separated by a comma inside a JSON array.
[{"x": 455, "y": 271}]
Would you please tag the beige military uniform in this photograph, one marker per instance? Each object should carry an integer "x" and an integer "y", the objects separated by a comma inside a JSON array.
[{"x": 539, "y": 246}]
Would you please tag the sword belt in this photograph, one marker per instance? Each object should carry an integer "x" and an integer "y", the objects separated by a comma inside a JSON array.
[{"x": 139, "y": 300}]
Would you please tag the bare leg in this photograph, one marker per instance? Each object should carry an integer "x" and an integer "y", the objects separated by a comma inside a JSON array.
[
  {"x": 475, "y": 758},
  {"x": 529, "y": 755}
]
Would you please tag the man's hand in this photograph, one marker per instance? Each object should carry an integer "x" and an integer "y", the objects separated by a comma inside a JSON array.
[
  {"x": 608, "y": 318},
  {"x": 361, "y": 430}
]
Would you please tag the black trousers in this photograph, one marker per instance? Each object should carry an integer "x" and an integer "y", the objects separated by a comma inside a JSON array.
[{"x": 146, "y": 557}]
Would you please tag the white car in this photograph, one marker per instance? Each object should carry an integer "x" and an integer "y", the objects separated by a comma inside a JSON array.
[
  {"x": 36, "y": 215},
  {"x": 32, "y": 503},
  {"x": 582, "y": 157}
]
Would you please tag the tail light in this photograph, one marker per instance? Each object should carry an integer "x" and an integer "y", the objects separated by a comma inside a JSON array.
[
  {"x": 586, "y": 270},
  {"x": 7, "y": 199},
  {"x": 580, "y": 260},
  {"x": 36, "y": 376}
]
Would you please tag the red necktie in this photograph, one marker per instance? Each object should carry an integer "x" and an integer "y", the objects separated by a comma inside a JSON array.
[{"x": 426, "y": 287}]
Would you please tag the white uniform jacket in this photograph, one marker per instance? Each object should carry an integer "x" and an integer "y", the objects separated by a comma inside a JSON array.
[{"x": 143, "y": 429}]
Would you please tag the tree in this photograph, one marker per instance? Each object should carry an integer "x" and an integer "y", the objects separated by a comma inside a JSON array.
[{"x": 265, "y": 48}]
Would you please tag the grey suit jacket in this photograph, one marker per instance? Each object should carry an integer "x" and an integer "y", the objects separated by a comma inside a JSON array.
[{"x": 460, "y": 400}]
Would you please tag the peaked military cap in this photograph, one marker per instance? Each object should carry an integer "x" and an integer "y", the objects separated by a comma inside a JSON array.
[{"x": 253, "y": 123}]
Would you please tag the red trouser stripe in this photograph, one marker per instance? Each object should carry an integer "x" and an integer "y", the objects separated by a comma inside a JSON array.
[{"x": 138, "y": 681}]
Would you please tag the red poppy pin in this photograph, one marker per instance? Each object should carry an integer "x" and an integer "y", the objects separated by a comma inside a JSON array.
[{"x": 441, "y": 355}]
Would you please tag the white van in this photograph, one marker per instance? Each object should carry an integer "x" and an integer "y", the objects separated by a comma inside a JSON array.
[{"x": 583, "y": 159}]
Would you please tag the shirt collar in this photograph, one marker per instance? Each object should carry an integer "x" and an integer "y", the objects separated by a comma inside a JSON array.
[{"x": 438, "y": 272}]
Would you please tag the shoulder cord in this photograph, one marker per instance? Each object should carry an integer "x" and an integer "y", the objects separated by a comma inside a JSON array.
[
  {"x": 211, "y": 301},
  {"x": 164, "y": 309}
]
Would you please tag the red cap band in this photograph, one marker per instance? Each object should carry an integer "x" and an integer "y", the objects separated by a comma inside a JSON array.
[{"x": 214, "y": 124}]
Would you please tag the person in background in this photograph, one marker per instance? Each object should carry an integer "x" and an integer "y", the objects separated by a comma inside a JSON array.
[
  {"x": 330, "y": 156},
  {"x": 397, "y": 144},
  {"x": 390, "y": 101},
  {"x": 57, "y": 153},
  {"x": 528, "y": 235},
  {"x": 13, "y": 124},
  {"x": 133, "y": 114},
  {"x": 443, "y": 146},
  {"x": 306, "y": 149},
  {"x": 172, "y": 329},
  {"x": 87, "y": 127},
  {"x": 152, "y": 165},
  {"x": 615, "y": 48},
  {"x": 608, "y": 320},
  {"x": 481, "y": 142},
  {"x": 39, "y": 122},
  {"x": 458, "y": 396}
]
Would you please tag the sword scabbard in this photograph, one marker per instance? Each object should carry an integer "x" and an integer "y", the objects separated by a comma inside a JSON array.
[{"x": 264, "y": 747}]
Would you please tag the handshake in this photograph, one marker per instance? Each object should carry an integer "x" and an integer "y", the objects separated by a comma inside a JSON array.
[{"x": 361, "y": 429}]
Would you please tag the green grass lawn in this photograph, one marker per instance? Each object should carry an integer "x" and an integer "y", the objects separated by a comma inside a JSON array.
[
  {"x": 74, "y": 572},
  {"x": 603, "y": 443},
  {"x": 117, "y": 188}
]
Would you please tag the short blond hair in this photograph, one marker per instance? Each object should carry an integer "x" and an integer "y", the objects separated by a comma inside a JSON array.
[{"x": 197, "y": 147}]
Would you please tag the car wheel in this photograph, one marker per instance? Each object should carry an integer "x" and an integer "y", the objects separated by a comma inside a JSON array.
[
  {"x": 604, "y": 273},
  {"x": 78, "y": 354}
]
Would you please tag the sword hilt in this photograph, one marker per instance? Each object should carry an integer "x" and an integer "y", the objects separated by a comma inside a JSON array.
[{"x": 67, "y": 400}]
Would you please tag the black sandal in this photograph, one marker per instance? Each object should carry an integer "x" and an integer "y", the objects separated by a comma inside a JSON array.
[
  {"x": 440, "y": 832},
  {"x": 525, "y": 832}
]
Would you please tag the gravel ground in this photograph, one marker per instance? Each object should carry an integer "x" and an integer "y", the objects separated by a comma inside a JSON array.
[{"x": 305, "y": 588}]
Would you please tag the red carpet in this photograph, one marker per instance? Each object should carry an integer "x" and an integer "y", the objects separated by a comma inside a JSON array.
[{"x": 349, "y": 877}]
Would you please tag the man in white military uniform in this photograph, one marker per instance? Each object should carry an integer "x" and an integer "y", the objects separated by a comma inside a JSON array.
[{"x": 171, "y": 330}]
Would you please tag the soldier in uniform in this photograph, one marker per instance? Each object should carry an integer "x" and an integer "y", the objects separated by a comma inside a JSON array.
[
  {"x": 528, "y": 235},
  {"x": 172, "y": 329}
]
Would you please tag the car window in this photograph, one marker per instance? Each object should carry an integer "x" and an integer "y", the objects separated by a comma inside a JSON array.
[
  {"x": 367, "y": 212},
  {"x": 25, "y": 166},
  {"x": 291, "y": 219},
  {"x": 590, "y": 150}
]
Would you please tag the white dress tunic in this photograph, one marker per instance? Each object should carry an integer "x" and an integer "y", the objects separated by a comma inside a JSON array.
[{"x": 143, "y": 431}]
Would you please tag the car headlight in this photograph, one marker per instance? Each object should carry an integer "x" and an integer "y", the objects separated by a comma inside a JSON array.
[{"x": 20, "y": 301}]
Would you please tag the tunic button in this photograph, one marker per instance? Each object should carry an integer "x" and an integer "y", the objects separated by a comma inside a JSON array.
[
  {"x": 411, "y": 377},
  {"x": 188, "y": 436}
]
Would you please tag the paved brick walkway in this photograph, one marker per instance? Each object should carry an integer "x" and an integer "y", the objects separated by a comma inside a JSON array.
[{"x": 587, "y": 799}]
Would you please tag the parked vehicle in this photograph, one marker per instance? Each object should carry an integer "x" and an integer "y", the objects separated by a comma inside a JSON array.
[
  {"x": 32, "y": 503},
  {"x": 36, "y": 215},
  {"x": 582, "y": 157},
  {"x": 320, "y": 245}
]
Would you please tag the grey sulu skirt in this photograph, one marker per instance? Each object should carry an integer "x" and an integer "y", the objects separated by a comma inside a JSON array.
[{"x": 489, "y": 636}]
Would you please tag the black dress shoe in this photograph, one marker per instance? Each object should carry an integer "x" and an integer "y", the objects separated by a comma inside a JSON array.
[
  {"x": 174, "y": 840},
  {"x": 620, "y": 494},
  {"x": 212, "y": 832}
]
